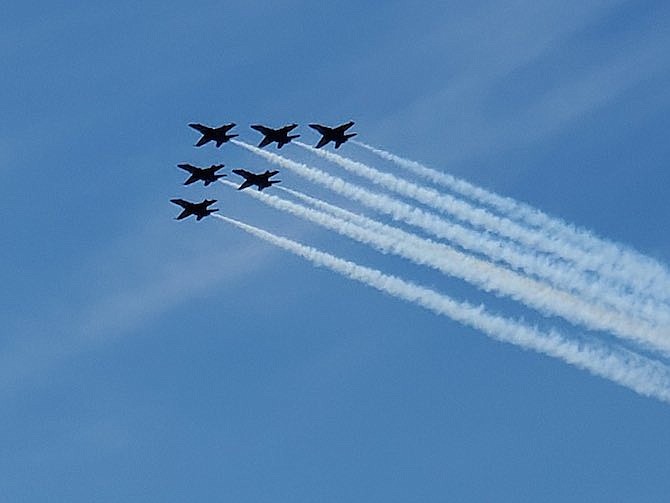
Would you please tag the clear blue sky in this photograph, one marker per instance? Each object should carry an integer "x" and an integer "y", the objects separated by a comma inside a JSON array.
[{"x": 143, "y": 359}]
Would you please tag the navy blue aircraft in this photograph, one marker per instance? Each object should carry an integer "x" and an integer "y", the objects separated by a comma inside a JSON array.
[
  {"x": 335, "y": 134},
  {"x": 200, "y": 210},
  {"x": 280, "y": 136},
  {"x": 206, "y": 175},
  {"x": 261, "y": 180},
  {"x": 218, "y": 135}
]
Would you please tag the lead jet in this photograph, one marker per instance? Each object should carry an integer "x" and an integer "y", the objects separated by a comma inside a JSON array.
[
  {"x": 280, "y": 136},
  {"x": 334, "y": 134},
  {"x": 207, "y": 175},
  {"x": 218, "y": 135},
  {"x": 200, "y": 210},
  {"x": 261, "y": 180}
]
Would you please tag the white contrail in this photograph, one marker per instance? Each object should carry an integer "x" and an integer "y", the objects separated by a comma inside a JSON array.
[
  {"x": 468, "y": 239},
  {"x": 642, "y": 375},
  {"x": 561, "y": 277},
  {"x": 635, "y": 274},
  {"x": 485, "y": 275},
  {"x": 617, "y": 255}
]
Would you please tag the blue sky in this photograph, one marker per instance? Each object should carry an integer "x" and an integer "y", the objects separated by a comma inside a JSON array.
[{"x": 144, "y": 359}]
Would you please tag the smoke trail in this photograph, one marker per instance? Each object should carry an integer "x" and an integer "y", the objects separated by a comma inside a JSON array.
[
  {"x": 468, "y": 239},
  {"x": 642, "y": 375},
  {"x": 618, "y": 255},
  {"x": 483, "y": 274},
  {"x": 634, "y": 274},
  {"x": 561, "y": 277}
]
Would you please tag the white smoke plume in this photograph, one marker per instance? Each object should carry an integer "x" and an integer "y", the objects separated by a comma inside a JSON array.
[{"x": 642, "y": 375}]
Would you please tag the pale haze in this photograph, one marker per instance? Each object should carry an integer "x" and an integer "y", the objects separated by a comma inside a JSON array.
[{"x": 400, "y": 337}]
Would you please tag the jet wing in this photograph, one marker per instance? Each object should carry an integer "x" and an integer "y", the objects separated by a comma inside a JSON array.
[
  {"x": 265, "y": 142},
  {"x": 321, "y": 129},
  {"x": 199, "y": 127},
  {"x": 261, "y": 129},
  {"x": 180, "y": 202},
  {"x": 243, "y": 172},
  {"x": 342, "y": 128},
  {"x": 188, "y": 167},
  {"x": 322, "y": 142},
  {"x": 210, "y": 172},
  {"x": 246, "y": 184},
  {"x": 288, "y": 129}
]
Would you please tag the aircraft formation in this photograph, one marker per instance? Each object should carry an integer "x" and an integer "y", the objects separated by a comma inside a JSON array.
[{"x": 221, "y": 134}]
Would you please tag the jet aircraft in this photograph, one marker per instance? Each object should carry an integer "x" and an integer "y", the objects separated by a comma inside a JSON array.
[
  {"x": 334, "y": 134},
  {"x": 218, "y": 135},
  {"x": 200, "y": 210},
  {"x": 207, "y": 175},
  {"x": 280, "y": 136},
  {"x": 261, "y": 180}
]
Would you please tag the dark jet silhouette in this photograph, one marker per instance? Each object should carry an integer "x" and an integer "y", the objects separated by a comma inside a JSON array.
[
  {"x": 261, "y": 180},
  {"x": 207, "y": 175},
  {"x": 218, "y": 135},
  {"x": 280, "y": 135},
  {"x": 200, "y": 210},
  {"x": 334, "y": 134}
]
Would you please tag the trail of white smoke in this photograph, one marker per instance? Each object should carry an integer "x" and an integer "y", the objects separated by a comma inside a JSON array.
[
  {"x": 484, "y": 275},
  {"x": 520, "y": 211},
  {"x": 559, "y": 274},
  {"x": 642, "y": 375},
  {"x": 629, "y": 273},
  {"x": 561, "y": 277}
]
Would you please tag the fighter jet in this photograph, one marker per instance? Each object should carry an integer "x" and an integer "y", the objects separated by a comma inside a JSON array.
[
  {"x": 280, "y": 135},
  {"x": 261, "y": 180},
  {"x": 218, "y": 135},
  {"x": 200, "y": 210},
  {"x": 207, "y": 175},
  {"x": 334, "y": 134}
]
